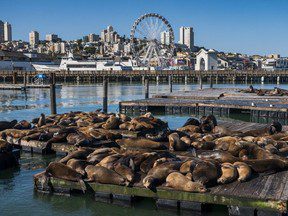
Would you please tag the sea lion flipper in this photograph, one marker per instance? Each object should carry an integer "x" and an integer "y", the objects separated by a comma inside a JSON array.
[{"x": 83, "y": 185}]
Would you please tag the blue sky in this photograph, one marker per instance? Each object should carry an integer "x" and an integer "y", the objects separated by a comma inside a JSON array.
[{"x": 246, "y": 26}]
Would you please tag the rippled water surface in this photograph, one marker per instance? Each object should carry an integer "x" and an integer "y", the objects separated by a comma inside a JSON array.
[{"x": 17, "y": 196}]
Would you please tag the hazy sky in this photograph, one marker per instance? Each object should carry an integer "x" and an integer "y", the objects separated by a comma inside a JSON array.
[{"x": 246, "y": 26}]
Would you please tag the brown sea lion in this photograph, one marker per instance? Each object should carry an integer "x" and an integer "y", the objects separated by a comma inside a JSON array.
[
  {"x": 218, "y": 155},
  {"x": 244, "y": 171},
  {"x": 189, "y": 165},
  {"x": 176, "y": 144},
  {"x": 192, "y": 121},
  {"x": 78, "y": 165},
  {"x": 7, "y": 124},
  {"x": 80, "y": 154},
  {"x": 267, "y": 165},
  {"x": 158, "y": 174},
  {"x": 42, "y": 120},
  {"x": 112, "y": 123},
  {"x": 105, "y": 176},
  {"x": 178, "y": 181},
  {"x": 223, "y": 131},
  {"x": 5, "y": 146},
  {"x": 124, "y": 171},
  {"x": 148, "y": 163},
  {"x": 190, "y": 129},
  {"x": 140, "y": 143},
  {"x": 22, "y": 125},
  {"x": 109, "y": 161},
  {"x": 205, "y": 172},
  {"x": 229, "y": 173},
  {"x": 62, "y": 171}
]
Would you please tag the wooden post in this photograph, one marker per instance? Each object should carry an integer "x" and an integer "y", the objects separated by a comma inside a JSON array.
[
  {"x": 105, "y": 94},
  {"x": 211, "y": 81},
  {"x": 14, "y": 77},
  {"x": 146, "y": 88},
  {"x": 170, "y": 80},
  {"x": 200, "y": 82},
  {"x": 25, "y": 79},
  {"x": 52, "y": 94}
]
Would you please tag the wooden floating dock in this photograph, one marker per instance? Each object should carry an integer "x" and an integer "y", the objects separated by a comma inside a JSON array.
[
  {"x": 222, "y": 102},
  {"x": 260, "y": 194},
  {"x": 38, "y": 147}
]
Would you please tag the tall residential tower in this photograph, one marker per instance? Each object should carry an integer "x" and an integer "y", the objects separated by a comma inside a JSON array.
[
  {"x": 1, "y": 31},
  {"x": 187, "y": 37},
  {"x": 7, "y": 32},
  {"x": 33, "y": 38}
]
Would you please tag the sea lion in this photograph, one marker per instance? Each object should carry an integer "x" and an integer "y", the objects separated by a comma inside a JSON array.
[
  {"x": 22, "y": 125},
  {"x": 266, "y": 165},
  {"x": 191, "y": 121},
  {"x": 62, "y": 171},
  {"x": 78, "y": 165},
  {"x": 109, "y": 161},
  {"x": 190, "y": 129},
  {"x": 229, "y": 173},
  {"x": 186, "y": 140},
  {"x": 105, "y": 176},
  {"x": 223, "y": 131},
  {"x": 178, "y": 181},
  {"x": 158, "y": 174},
  {"x": 205, "y": 172},
  {"x": 80, "y": 154},
  {"x": 42, "y": 120},
  {"x": 140, "y": 143},
  {"x": 244, "y": 171},
  {"x": 175, "y": 144},
  {"x": 7, "y": 125},
  {"x": 189, "y": 165},
  {"x": 218, "y": 155},
  {"x": 112, "y": 123},
  {"x": 148, "y": 163},
  {"x": 124, "y": 171},
  {"x": 210, "y": 120}
]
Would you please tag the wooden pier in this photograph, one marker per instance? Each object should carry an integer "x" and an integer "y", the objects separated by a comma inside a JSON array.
[
  {"x": 22, "y": 87},
  {"x": 221, "y": 102},
  {"x": 245, "y": 76}
]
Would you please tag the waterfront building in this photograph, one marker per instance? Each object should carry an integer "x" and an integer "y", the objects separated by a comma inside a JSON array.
[
  {"x": 7, "y": 32},
  {"x": 93, "y": 38},
  {"x": 206, "y": 60},
  {"x": 187, "y": 37},
  {"x": 272, "y": 64},
  {"x": 34, "y": 38},
  {"x": 1, "y": 31},
  {"x": 51, "y": 37},
  {"x": 165, "y": 38}
]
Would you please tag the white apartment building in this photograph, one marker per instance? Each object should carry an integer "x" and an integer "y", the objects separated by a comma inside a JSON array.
[
  {"x": 187, "y": 37},
  {"x": 7, "y": 32},
  {"x": 34, "y": 38},
  {"x": 51, "y": 37},
  {"x": 165, "y": 38}
]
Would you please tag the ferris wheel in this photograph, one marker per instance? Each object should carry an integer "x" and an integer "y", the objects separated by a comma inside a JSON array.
[{"x": 152, "y": 40}]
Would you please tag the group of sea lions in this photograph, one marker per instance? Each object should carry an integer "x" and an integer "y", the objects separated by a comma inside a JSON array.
[
  {"x": 261, "y": 92},
  {"x": 197, "y": 155}
]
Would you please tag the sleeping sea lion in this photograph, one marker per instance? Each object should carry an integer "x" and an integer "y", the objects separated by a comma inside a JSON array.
[
  {"x": 7, "y": 125},
  {"x": 78, "y": 165},
  {"x": 178, "y": 181},
  {"x": 140, "y": 143},
  {"x": 191, "y": 121},
  {"x": 105, "y": 176},
  {"x": 229, "y": 173},
  {"x": 80, "y": 154},
  {"x": 218, "y": 155},
  {"x": 62, "y": 171},
  {"x": 205, "y": 172},
  {"x": 158, "y": 174},
  {"x": 244, "y": 171}
]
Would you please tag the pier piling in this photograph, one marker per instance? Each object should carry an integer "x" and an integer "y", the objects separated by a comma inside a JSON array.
[
  {"x": 146, "y": 88},
  {"x": 200, "y": 82},
  {"x": 211, "y": 81},
  {"x": 52, "y": 94},
  {"x": 170, "y": 80},
  {"x": 105, "y": 94}
]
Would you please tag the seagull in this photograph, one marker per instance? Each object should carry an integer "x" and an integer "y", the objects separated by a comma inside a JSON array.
[
  {"x": 252, "y": 104},
  {"x": 271, "y": 105}
]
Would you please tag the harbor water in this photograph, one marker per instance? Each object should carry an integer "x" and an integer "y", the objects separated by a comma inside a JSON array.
[{"x": 17, "y": 195}]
